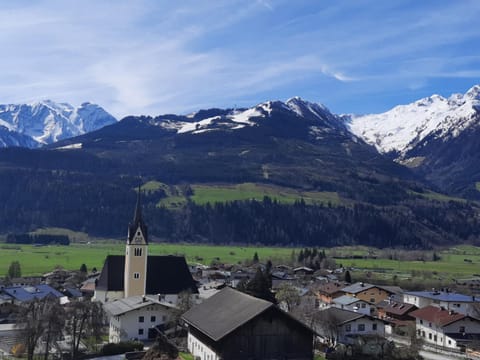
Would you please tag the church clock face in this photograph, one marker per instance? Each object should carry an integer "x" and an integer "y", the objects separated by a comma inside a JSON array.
[{"x": 138, "y": 240}]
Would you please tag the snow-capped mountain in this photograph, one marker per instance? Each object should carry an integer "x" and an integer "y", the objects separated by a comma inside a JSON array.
[
  {"x": 402, "y": 128},
  {"x": 33, "y": 125},
  {"x": 315, "y": 117}
]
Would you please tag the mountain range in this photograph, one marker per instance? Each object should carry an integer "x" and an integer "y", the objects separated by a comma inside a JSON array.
[
  {"x": 404, "y": 176},
  {"x": 45, "y": 122}
]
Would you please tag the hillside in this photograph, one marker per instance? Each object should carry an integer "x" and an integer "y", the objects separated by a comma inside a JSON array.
[{"x": 328, "y": 186}]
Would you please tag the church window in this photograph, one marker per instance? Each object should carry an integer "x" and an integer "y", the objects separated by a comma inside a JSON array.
[
  {"x": 136, "y": 275},
  {"x": 138, "y": 252}
]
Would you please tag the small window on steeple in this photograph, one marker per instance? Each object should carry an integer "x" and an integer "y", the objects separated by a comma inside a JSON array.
[
  {"x": 138, "y": 252},
  {"x": 138, "y": 233}
]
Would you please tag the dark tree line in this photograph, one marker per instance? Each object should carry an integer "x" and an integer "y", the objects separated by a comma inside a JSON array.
[{"x": 43, "y": 239}]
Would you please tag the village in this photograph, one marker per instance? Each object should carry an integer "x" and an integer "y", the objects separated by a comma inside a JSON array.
[{"x": 257, "y": 310}]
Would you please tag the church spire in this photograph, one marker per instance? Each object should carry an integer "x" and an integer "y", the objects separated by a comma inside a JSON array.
[{"x": 138, "y": 224}]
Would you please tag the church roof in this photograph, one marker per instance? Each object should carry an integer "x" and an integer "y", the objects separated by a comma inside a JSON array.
[{"x": 165, "y": 275}]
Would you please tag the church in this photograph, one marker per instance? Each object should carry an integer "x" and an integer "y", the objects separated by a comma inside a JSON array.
[{"x": 138, "y": 274}]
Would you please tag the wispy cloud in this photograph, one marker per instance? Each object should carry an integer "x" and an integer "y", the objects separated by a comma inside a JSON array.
[{"x": 155, "y": 57}]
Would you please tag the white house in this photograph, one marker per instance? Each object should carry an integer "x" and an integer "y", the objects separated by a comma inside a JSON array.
[
  {"x": 449, "y": 300},
  {"x": 137, "y": 317},
  {"x": 354, "y": 304},
  {"x": 342, "y": 326},
  {"x": 439, "y": 326}
]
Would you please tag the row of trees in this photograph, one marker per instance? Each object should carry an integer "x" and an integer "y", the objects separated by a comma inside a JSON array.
[
  {"x": 45, "y": 319},
  {"x": 41, "y": 239}
]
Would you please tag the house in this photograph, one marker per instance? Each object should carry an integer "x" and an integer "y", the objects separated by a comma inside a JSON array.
[
  {"x": 354, "y": 304},
  {"x": 388, "y": 309},
  {"x": 303, "y": 271},
  {"x": 137, "y": 317},
  {"x": 233, "y": 325},
  {"x": 21, "y": 294},
  {"x": 326, "y": 292},
  {"x": 439, "y": 326},
  {"x": 336, "y": 325},
  {"x": 367, "y": 292},
  {"x": 136, "y": 273},
  {"x": 459, "y": 303}
]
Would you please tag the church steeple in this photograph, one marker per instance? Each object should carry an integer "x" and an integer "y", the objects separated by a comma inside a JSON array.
[
  {"x": 138, "y": 222},
  {"x": 136, "y": 253}
]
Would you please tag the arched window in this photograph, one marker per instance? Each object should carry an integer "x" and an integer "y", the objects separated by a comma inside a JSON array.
[{"x": 138, "y": 252}]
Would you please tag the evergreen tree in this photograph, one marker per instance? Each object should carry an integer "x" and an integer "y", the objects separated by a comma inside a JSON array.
[
  {"x": 255, "y": 258},
  {"x": 83, "y": 268},
  {"x": 14, "y": 270},
  {"x": 348, "y": 277}
]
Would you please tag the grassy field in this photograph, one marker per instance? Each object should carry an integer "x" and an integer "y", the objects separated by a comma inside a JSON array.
[
  {"x": 35, "y": 260},
  {"x": 456, "y": 262},
  {"x": 204, "y": 193}
]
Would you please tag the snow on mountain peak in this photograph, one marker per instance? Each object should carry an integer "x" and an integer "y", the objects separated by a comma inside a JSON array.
[
  {"x": 402, "y": 127},
  {"x": 46, "y": 121}
]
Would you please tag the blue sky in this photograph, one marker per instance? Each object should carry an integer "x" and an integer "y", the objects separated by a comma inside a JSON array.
[{"x": 156, "y": 57}]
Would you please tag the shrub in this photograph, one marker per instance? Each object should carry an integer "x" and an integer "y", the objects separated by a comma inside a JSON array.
[{"x": 121, "y": 347}]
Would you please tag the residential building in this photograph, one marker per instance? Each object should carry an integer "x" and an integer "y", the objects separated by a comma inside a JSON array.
[
  {"x": 354, "y": 304},
  {"x": 326, "y": 292},
  {"x": 367, "y": 292},
  {"x": 447, "y": 328},
  {"x": 137, "y": 317},
  {"x": 234, "y": 325},
  {"x": 335, "y": 325},
  {"x": 464, "y": 304}
]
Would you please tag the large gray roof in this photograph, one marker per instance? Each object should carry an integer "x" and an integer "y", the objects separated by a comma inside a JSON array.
[
  {"x": 122, "y": 306},
  {"x": 357, "y": 287},
  {"x": 224, "y": 312}
]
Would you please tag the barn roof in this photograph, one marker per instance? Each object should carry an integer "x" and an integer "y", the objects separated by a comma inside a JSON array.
[
  {"x": 224, "y": 312},
  {"x": 165, "y": 275}
]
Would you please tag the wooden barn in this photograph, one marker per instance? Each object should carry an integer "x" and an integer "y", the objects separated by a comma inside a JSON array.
[{"x": 233, "y": 325}]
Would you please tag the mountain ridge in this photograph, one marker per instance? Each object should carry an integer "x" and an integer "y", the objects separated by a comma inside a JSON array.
[{"x": 45, "y": 122}]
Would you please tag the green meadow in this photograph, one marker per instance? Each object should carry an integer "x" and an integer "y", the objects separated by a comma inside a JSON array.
[
  {"x": 211, "y": 193},
  {"x": 456, "y": 262}
]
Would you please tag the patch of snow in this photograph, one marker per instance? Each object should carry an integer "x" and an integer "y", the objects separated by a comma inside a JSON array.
[
  {"x": 188, "y": 127},
  {"x": 71, "y": 146},
  {"x": 243, "y": 117}
]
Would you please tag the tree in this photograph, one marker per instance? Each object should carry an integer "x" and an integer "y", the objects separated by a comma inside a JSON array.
[
  {"x": 258, "y": 286},
  {"x": 288, "y": 295},
  {"x": 348, "y": 277},
  {"x": 54, "y": 322},
  {"x": 255, "y": 258},
  {"x": 14, "y": 270},
  {"x": 85, "y": 319},
  {"x": 83, "y": 268}
]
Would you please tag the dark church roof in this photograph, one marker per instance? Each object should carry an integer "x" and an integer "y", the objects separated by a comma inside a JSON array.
[
  {"x": 165, "y": 275},
  {"x": 137, "y": 222}
]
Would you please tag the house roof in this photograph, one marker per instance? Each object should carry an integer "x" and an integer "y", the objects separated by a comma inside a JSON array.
[
  {"x": 437, "y": 315},
  {"x": 444, "y": 296},
  {"x": 165, "y": 275},
  {"x": 125, "y": 305},
  {"x": 346, "y": 300},
  {"x": 27, "y": 293},
  {"x": 224, "y": 312},
  {"x": 357, "y": 287},
  {"x": 338, "y": 316},
  {"x": 396, "y": 308},
  {"x": 330, "y": 288}
]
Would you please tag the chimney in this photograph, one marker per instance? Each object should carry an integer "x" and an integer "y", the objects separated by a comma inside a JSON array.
[{"x": 144, "y": 299}]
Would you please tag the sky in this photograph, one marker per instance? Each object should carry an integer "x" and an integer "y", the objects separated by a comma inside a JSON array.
[{"x": 152, "y": 57}]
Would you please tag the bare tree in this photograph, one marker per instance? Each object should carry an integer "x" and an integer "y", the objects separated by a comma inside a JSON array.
[
  {"x": 85, "y": 319},
  {"x": 31, "y": 322},
  {"x": 54, "y": 324},
  {"x": 288, "y": 295}
]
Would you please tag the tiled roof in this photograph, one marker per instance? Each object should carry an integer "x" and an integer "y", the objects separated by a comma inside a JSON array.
[
  {"x": 396, "y": 308},
  {"x": 338, "y": 316},
  {"x": 437, "y": 315},
  {"x": 330, "y": 288},
  {"x": 357, "y": 287}
]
